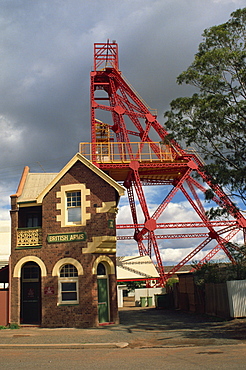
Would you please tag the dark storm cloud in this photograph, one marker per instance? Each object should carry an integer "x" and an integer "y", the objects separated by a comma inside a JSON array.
[
  {"x": 47, "y": 50},
  {"x": 47, "y": 53}
]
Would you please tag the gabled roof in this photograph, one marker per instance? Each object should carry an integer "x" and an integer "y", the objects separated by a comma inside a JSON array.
[
  {"x": 91, "y": 166},
  {"x": 34, "y": 186},
  {"x": 35, "y": 183}
]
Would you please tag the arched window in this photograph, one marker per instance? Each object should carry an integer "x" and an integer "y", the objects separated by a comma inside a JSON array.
[
  {"x": 68, "y": 271},
  {"x": 101, "y": 269},
  {"x": 68, "y": 285}
]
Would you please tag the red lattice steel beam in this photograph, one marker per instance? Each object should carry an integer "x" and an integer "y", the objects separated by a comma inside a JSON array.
[
  {"x": 198, "y": 211},
  {"x": 214, "y": 251},
  {"x": 175, "y": 225},
  {"x": 224, "y": 199},
  {"x": 167, "y": 236},
  {"x": 188, "y": 257},
  {"x": 134, "y": 165},
  {"x": 231, "y": 228},
  {"x": 194, "y": 193},
  {"x": 170, "y": 196},
  {"x": 213, "y": 233}
]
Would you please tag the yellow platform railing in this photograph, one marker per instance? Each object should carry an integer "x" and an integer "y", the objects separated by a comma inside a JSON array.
[{"x": 114, "y": 152}]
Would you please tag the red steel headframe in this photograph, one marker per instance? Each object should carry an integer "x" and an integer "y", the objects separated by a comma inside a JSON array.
[{"x": 167, "y": 163}]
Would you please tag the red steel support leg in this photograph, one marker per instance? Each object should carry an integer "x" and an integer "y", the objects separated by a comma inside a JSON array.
[
  {"x": 158, "y": 259},
  {"x": 198, "y": 201},
  {"x": 141, "y": 248}
]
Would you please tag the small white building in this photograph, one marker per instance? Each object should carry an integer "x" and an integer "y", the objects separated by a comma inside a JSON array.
[{"x": 137, "y": 268}]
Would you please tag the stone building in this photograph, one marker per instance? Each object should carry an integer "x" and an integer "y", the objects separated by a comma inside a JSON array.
[{"x": 63, "y": 246}]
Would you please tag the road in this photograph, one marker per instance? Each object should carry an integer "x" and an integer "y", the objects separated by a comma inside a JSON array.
[
  {"x": 155, "y": 339},
  {"x": 215, "y": 357}
]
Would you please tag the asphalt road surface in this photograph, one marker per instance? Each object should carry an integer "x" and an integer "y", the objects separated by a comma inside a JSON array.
[
  {"x": 145, "y": 339},
  {"x": 179, "y": 358}
]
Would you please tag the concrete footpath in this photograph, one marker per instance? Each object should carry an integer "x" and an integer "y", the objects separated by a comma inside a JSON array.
[{"x": 138, "y": 328}]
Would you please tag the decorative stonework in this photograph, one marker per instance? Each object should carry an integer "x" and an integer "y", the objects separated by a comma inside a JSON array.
[
  {"x": 107, "y": 207},
  {"x": 62, "y": 218},
  {"x": 22, "y": 261},
  {"x": 64, "y": 261},
  {"x": 108, "y": 263},
  {"x": 101, "y": 244}
]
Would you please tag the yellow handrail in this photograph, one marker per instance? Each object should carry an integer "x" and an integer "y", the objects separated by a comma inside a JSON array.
[{"x": 121, "y": 152}]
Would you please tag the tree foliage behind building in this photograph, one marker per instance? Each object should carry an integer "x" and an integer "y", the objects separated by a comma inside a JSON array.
[
  {"x": 214, "y": 272},
  {"x": 214, "y": 118}
]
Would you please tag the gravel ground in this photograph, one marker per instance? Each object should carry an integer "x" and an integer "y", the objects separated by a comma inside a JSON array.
[{"x": 140, "y": 328}]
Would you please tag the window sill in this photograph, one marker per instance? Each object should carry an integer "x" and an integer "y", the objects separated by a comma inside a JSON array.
[{"x": 73, "y": 225}]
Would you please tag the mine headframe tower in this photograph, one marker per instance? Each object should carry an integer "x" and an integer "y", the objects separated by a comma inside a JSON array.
[{"x": 118, "y": 113}]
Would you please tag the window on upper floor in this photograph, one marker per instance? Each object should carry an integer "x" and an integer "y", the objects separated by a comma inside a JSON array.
[
  {"x": 29, "y": 217},
  {"x": 33, "y": 220},
  {"x": 74, "y": 207}
]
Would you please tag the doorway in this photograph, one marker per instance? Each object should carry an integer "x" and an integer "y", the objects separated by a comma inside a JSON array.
[
  {"x": 30, "y": 294},
  {"x": 103, "y": 295}
]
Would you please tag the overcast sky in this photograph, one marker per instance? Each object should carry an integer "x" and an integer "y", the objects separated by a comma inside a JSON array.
[{"x": 46, "y": 51}]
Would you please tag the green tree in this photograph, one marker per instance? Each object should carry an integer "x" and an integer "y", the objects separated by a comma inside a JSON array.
[
  {"x": 214, "y": 272},
  {"x": 132, "y": 285},
  {"x": 213, "y": 120},
  {"x": 239, "y": 256}
]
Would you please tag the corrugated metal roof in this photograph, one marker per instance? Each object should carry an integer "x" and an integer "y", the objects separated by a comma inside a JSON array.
[
  {"x": 34, "y": 185},
  {"x": 137, "y": 267}
]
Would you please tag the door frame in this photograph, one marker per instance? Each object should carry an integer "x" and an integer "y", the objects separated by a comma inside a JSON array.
[
  {"x": 101, "y": 277},
  {"x": 34, "y": 282}
]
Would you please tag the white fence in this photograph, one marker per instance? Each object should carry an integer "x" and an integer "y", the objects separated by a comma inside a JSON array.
[{"x": 237, "y": 297}]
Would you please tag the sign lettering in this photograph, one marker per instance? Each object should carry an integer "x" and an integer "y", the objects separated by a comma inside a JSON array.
[{"x": 61, "y": 238}]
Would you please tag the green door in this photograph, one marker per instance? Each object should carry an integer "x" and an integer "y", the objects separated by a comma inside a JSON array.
[{"x": 103, "y": 308}]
